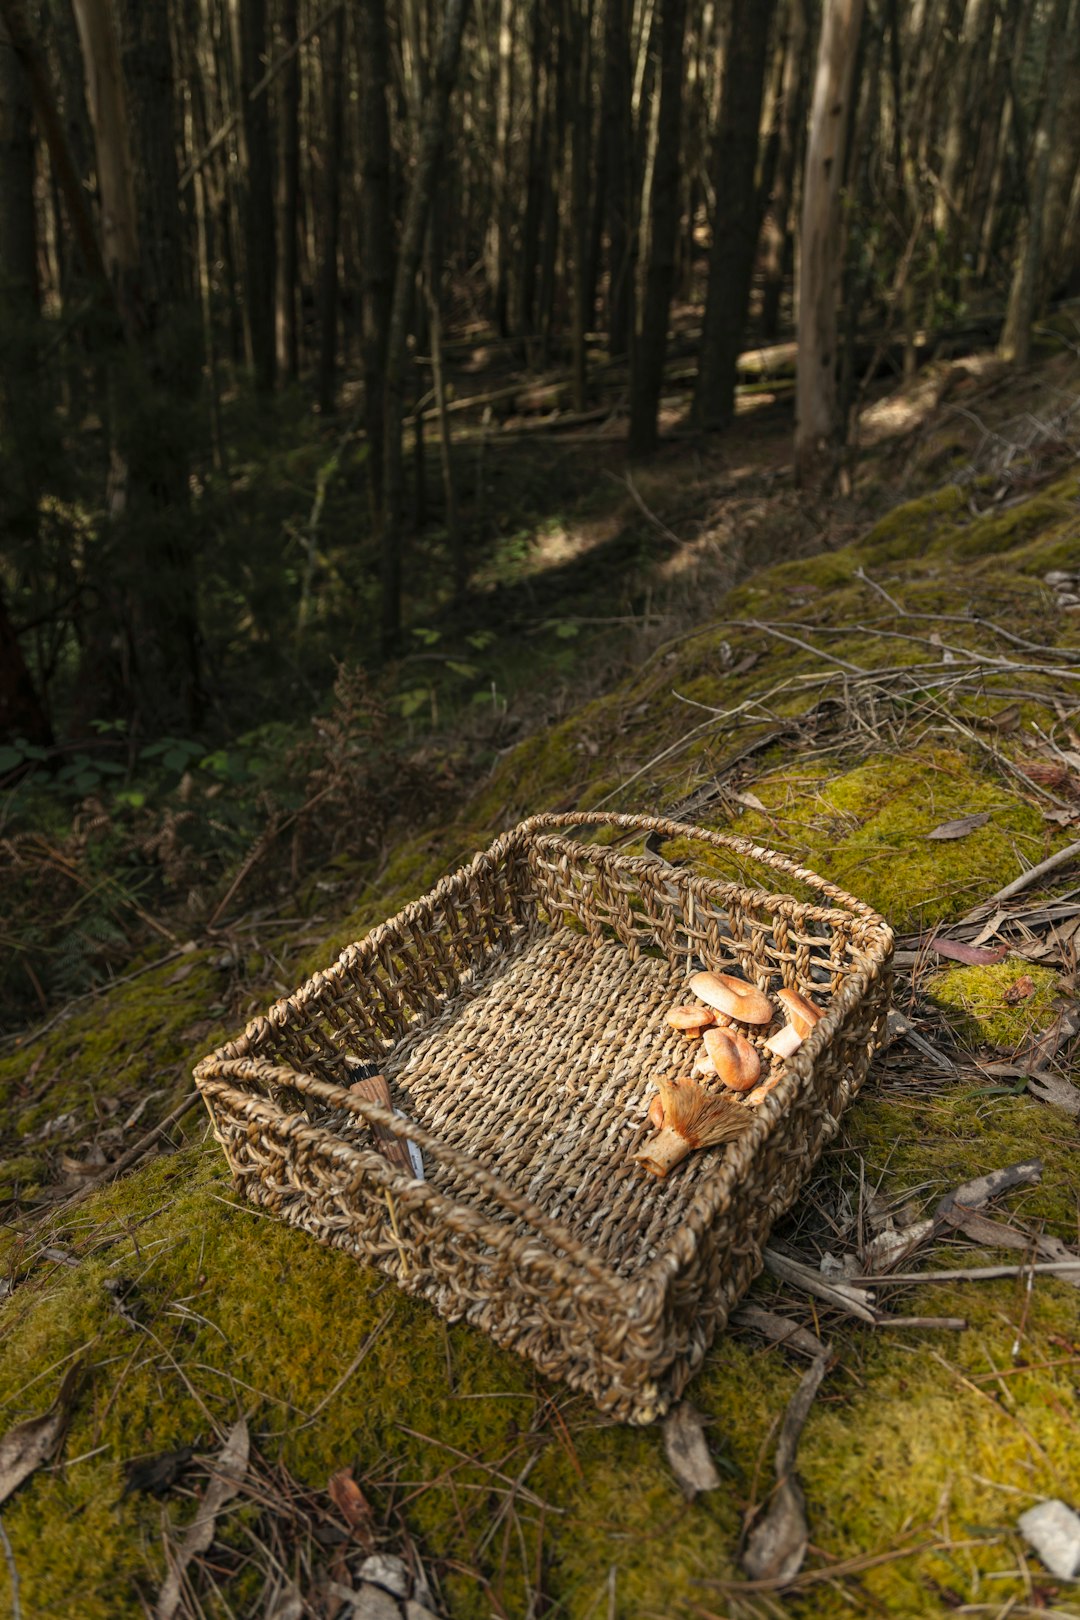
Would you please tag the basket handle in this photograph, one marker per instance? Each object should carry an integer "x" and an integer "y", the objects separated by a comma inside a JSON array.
[{"x": 679, "y": 829}]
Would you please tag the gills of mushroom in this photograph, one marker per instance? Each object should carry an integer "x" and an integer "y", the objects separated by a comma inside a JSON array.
[
  {"x": 734, "y": 997},
  {"x": 734, "y": 1059},
  {"x": 802, "y": 1016},
  {"x": 691, "y": 1020},
  {"x": 692, "y": 1118}
]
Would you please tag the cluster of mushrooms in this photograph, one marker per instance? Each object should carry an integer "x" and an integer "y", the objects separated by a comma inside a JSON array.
[{"x": 684, "y": 1113}]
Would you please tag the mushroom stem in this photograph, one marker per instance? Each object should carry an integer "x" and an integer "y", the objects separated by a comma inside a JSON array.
[{"x": 664, "y": 1153}]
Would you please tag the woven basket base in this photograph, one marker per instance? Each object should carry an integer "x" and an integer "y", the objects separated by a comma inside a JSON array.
[{"x": 543, "y": 1070}]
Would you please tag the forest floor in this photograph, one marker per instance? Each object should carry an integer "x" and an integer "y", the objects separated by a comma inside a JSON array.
[{"x": 839, "y": 682}]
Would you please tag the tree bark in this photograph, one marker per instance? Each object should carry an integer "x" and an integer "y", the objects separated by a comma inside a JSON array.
[
  {"x": 579, "y": 31},
  {"x": 525, "y": 307},
  {"x": 260, "y": 275},
  {"x": 116, "y": 181},
  {"x": 1015, "y": 344},
  {"x": 1064, "y": 176},
  {"x": 618, "y": 138},
  {"x": 498, "y": 244},
  {"x": 288, "y": 345},
  {"x": 819, "y": 424},
  {"x": 333, "y": 55},
  {"x": 776, "y": 228},
  {"x": 735, "y": 221},
  {"x": 651, "y": 346},
  {"x": 417, "y": 208},
  {"x": 377, "y": 231},
  {"x": 21, "y": 711}
]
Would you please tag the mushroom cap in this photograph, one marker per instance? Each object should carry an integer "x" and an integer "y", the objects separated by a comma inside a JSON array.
[
  {"x": 802, "y": 1013},
  {"x": 759, "y": 1093},
  {"x": 656, "y": 1112},
  {"x": 690, "y": 1019},
  {"x": 734, "y": 997},
  {"x": 737, "y": 1062}
]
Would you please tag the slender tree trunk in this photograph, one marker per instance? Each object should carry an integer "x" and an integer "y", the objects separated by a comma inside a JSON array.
[
  {"x": 334, "y": 86},
  {"x": 417, "y": 208},
  {"x": 525, "y": 315},
  {"x": 957, "y": 150},
  {"x": 579, "y": 31},
  {"x": 554, "y": 126},
  {"x": 1064, "y": 174},
  {"x": 651, "y": 346},
  {"x": 377, "y": 231},
  {"x": 22, "y": 714},
  {"x": 819, "y": 423},
  {"x": 116, "y": 182},
  {"x": 618, "y": 139},
  {"x": 1015, "y": 342},
  {"x": 776, "y": 229},
  {"x": 735, "y": 223},
  {"x": 498, "y": 245},
  {"x": 288, "y": 350},
  {"x": 259, "y": 194}
]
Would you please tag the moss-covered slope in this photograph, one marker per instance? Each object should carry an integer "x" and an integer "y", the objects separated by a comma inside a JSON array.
[{"x": 923, "y": 1444}]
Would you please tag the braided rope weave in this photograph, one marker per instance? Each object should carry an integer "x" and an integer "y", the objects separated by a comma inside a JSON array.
[{"x": 517, "y": 1012}]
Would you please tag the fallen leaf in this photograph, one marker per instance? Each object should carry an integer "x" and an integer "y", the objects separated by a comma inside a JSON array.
[
  {"x": 1020, "y": 989},
  {"x": 961, "y": 827},
  {"x": 25, "y": 1447},
  {"x": 156, "y": 1476},
  {"x": 750, "y": 800},
  {"x": 183, "y": 972},
  {"x": 228, "y": 1469},
  {"x": 1005, "y": 720},
  {"x": 973, "y": 1194},
  {"x": 973, "y": 955},
  {"x": 1056, "y": 1090},
  {"x": 776, "y": 1546},
  {"x": 353, "y": 1506},
  {"x": 684, "y": 1442}
]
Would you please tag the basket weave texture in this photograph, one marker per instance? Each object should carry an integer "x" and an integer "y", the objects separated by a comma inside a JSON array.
[{"x": 517, "y": 1012}]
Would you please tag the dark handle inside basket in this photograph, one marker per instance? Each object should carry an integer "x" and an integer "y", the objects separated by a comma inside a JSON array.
[{"x": 679, "y": 829}]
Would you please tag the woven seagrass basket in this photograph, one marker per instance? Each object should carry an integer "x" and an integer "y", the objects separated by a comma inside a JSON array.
[{"x": 517, "y": 1013}]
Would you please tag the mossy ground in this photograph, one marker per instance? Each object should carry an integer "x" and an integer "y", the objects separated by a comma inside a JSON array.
[{"x": 923, "y": 1443}]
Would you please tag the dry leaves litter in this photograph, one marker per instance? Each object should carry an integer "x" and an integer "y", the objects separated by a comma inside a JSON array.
[
  {"x": 353, "y": 1506},
  {"x": 229, "y": 1469},
  {"x": 684, "y": 1442},
  {"x": 776, "y": 1546},
  {"x": 26, "y": 1446}
]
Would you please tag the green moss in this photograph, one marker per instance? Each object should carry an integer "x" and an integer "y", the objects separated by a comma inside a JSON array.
[
  {"x": 915, "y": 528},
  {"x": 990, "y": 535},
  {"x": 975, "y": 1001}
]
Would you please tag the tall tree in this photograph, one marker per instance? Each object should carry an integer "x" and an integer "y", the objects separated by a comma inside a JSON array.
[
  {"x": 259, "y": 236},
  {"x": 376, "y": 231},
  {"x": 414, "y": 226},
  {"x": 1027, "y": 262},
  {"x": 288, "y": 344},
  {"x": 650, "y": 349},
  {"x": 818, "y": 425},
  {"x": 735, "y": 212},
  {"x": 776, "y": 228},
  {"x": 333, "y": 55},
  {"x": 618, "y": 139}
]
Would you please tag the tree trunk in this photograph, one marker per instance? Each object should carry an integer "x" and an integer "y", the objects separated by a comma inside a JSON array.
[
  {"x": 433, "y": 135},
  {"x": 377, "y": 231},
  {"x": 116, "y": 182},
  {"x": 525, "y": 311},
  {"x": 776, "y": 229},
  {"x": 1015, "y": 344},
  {"x": 260, "y": 275},
  {"x": 735, "y": 221},
  {"x": 1064, "y": 175},
  {"x": 618, "y": 139},
  {"x": 21, "y": 711},
  {"x": 651, "y": 346},
  {"x": 819, "y": 423},
  {"x": 333, "y": 56},
  {"x": 498, "y": 244},
  {"x": 288, "y": 348},
  {"x": 579, "y": 31}
]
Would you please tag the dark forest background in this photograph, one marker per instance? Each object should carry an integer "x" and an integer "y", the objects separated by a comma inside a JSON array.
[{"x": 298, "y": 304}]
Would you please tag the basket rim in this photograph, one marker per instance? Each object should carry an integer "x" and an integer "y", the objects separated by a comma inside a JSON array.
[{"x": 239, "y": 1058}]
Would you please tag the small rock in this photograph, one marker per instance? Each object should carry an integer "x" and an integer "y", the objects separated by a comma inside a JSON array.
[
  {"x": 383, "y": 1569},
  {"x": 372, "y": 1603},
  {"x": 1053, "y": 1529}
]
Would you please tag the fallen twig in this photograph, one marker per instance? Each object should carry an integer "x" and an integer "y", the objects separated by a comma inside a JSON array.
[
  {"x": 135, "y": 1152},
  {"x": 1052, "y": 1268},
  {"x": 1071, "y": 852},
  {"x": 229, "y": 1466}
]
